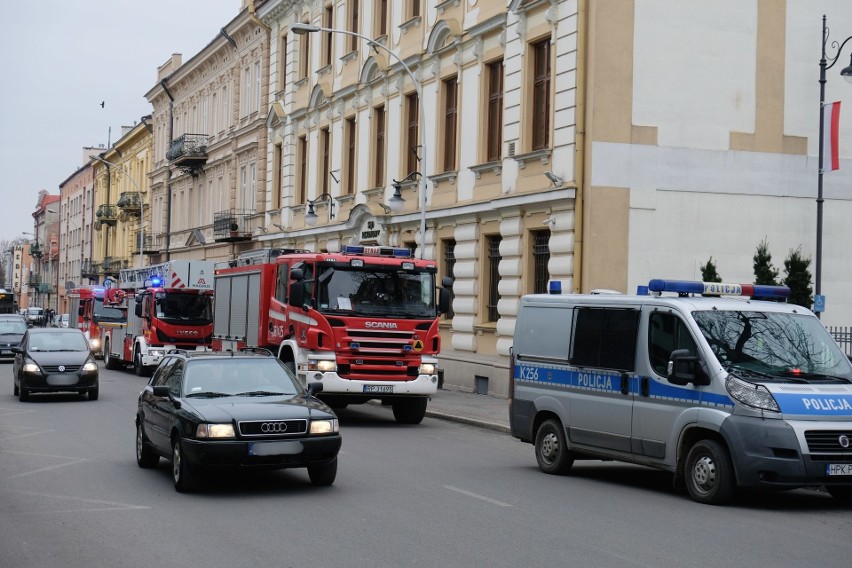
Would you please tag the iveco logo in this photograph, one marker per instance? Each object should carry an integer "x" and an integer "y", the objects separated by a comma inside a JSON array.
[
  {"x": 187, "y": 332},
  {"x": 380, "y": 324},
  {"x": 843, "y": 440},
  {"x": 273, "y": 427}
]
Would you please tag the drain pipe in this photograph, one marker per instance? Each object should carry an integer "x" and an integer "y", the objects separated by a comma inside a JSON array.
[{"x": 169, "y": 174}]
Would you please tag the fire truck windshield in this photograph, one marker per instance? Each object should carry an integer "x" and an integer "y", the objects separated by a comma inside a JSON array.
[
  {"x": 371, "y": 290},
  {"x": 102, "y": 313},
  {"x": 188, "y": 308}
]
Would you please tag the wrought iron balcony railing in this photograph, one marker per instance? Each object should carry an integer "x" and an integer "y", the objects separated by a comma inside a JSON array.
[
  {"x": 89, "y": 269},
  {"x": 107, "y": 214},
  {"x": 129, "y": 201},
  {"x": 188, "y": 152},
  {"x": 232, "y": 225}
]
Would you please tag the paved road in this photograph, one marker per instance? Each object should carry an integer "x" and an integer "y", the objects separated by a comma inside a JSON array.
[{"x": 437, "y": 494}]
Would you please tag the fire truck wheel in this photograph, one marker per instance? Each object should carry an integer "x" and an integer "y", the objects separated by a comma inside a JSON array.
[
  {"x": 410, "y": 410},
  {"x": 137, "y": 365},
  {"x": 110, "y": 362}
]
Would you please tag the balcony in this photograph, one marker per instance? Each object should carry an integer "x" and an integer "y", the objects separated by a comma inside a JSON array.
[
  {"x": 89, "y": 269},
  {"x": 232, "y": 226},
  {"x": 34, "y": 281},
  {"x": 106, "y": 215},
  {"x": 189, "y": 153},
  {"x": 147, "y": 245},
  {"x": 45, "y": 288},
  {"x": 129, "y": 202},
  {"x": 112, "y": 264},
  {"x": 36, "y": 251}
]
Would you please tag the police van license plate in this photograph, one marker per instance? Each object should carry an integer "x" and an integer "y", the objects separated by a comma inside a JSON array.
[
  {"x": 838, "y": 469},
  {"x": 378, "y": 389}
]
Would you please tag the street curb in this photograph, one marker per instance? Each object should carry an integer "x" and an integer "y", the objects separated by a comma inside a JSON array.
[{"x": 469, "y": 421}]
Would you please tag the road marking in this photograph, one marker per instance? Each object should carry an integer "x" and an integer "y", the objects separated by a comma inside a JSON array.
[
  {"x": 108, "y": 505},
  {"x": 477, "y": 496},
  {"x": 35, "y": 432},
  {"x": 71, "y": 461}
]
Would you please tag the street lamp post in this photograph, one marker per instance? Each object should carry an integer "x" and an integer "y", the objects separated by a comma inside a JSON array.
[
  {"x": 141, "y": 206},
  {"x": 825, "y": 63},
  {"x": 397, "y": 202}
]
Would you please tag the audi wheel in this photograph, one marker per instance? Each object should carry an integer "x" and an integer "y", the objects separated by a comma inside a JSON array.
[
  {"x": 183, "y": 474},
  {"x": 323, "y": 475}
]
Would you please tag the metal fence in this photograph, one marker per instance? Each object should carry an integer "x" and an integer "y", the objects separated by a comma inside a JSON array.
[{"x": 843, "y": 337}]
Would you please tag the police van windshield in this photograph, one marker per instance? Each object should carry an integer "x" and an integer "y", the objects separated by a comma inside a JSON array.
[
  {"x": 774, "y": 346},
  {"x": 186, "y": 308},
  {"x": 108, "y": 314},
  {"x": 370, "y": 291}
]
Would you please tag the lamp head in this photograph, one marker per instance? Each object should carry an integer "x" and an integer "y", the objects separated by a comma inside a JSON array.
[
  {"x": 554, "y": 179},
  {"x": 846, "y": 72},
  {"x": 397, "y": 201},
  {"x": 310, "y": 216},
  {"x": 300, "y": 28}
]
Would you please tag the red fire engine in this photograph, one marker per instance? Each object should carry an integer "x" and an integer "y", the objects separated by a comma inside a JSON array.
[
  {"x": 363, "y": 322},
  {"x": 92, "y": 314},
  {"x": 168, "y": 306}
]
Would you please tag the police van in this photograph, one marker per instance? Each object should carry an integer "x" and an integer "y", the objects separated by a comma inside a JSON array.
[{"x": 719, "y": 390}]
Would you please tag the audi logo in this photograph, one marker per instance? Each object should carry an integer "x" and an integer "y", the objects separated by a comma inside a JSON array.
[
  {"x": 843, "y": 440},
  {"x": 273, "y": 427}
]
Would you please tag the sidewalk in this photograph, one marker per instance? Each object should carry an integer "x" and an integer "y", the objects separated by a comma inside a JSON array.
[{"x": 479, "y": 410}]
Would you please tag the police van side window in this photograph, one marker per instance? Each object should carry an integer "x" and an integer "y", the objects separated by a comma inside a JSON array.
[
  {"x": 605, "y": 338},
  {"x": 667, "y": 332}
]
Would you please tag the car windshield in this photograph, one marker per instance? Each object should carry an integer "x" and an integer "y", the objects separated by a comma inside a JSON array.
[
  {"x": 12, "y": 327},
  {"x": 774, "y": 346},
  {"x": 185, "y": 307},
  {"x": 238, "y": 376},
  {"x": 57, "y": 342},
  {"x": 368, "y": 291}
]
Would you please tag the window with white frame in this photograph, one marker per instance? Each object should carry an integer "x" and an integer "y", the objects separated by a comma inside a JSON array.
[
  {"x": 245, "y": 103},
  {"x": 257, "y": 88}
]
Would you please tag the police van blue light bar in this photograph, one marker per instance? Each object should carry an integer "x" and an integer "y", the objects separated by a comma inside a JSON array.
[
  {"x": 376, "y": 251},
  {"x": 718, "y": 288}
]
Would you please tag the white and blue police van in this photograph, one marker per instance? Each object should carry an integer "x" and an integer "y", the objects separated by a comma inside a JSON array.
[{"x": 721, "y": 391}]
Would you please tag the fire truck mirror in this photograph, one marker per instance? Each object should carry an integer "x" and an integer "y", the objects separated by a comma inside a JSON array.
[
  {"x": 444, "y": 300},
  {"x": 138, "y": 309},
  {"x": 297, "y": 294}
]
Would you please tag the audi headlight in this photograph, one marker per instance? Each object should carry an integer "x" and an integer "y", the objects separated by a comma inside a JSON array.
[
  {"x": 90, "y": 366},
  {"x": 31, "y": 368},
  {"x": 215, "y": 431},
  {"x": 750, "y": 394},
  {"x": 428, "y": 368},
  {"x": 324, "y": 426},
  {"x": 322, "y": 365}
]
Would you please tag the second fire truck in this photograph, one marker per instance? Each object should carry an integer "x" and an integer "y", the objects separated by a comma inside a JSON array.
[
  {"x": 363, "y": 322},
  {"x": 90, "y": 314},
  {"x": 168, "y": 306}
]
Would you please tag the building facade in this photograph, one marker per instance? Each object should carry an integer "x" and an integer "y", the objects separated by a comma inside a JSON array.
[{"x": 40, "y": 282}]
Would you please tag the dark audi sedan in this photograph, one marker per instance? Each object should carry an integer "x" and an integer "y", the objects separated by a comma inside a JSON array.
[
  {"x": 205, "y": 410},
  {"x": 54, "y": 360}
]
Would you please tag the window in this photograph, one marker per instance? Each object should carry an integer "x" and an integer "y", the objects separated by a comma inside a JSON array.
[
  {"x": 541, "y": 95},
  {"x": 243, "y": 187},
  {"x": 245, "y": 103},
  {"x": 349, "y": 133},
  {"x": 541, "y": 256},
  {"x": 204, "y": 115},
  {"x": 226, "y": 108},
  {"x": 214, "y": 125},
  {"x": 381, "y": 18},
  {"x": 414, "y": 9},
  {"x": 451, "y": 110},
  {"x": 493, "y": 260},
  {"x": 282, "y": 63},
  {"x": 281, "y": 283},
  {"x": 379, "y": 172},
  {"x": 304, "y": 54},
  {"x": 666, "y": 332},
  {"x": 277, "y": 176},
  {"x": 494, "y": 121},
  {"x": 249, "y": 204},
  {"x": 353, "y": 24},
  {"x": 325, "y": 148},
  {"x": 327, "y": 22},
  {"x": 303, "y": 169},
  {"x": 605, "y": 338},
  {"x": 413, "y": 106},
  {"x": 449, "y": 266},
  {"x": 258, "y": 89}
]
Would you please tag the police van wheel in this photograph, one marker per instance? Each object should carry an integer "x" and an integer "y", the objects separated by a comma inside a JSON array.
[
  {"x": 551, "y": 452},
  {"x": 709, "y": 474}
]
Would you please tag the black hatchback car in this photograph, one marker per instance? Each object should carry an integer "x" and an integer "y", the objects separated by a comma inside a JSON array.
[
  {"x": 204, "y": 410},
  {"x": 54, "y": 360},
  {"x": 12, "y": 330}
]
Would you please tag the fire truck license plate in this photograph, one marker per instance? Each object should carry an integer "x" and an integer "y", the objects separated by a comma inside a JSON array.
[
  {"x": 384, "y": 389},
  {"x": 838, "y": 469}
]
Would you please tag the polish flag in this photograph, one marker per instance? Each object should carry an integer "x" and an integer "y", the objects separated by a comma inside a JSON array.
[{"x": 831, "y": 133}]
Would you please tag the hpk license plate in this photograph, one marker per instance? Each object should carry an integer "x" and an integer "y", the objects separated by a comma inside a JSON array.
[
  {"x": 838, "y": 469},
  {"x": 380, "y": 389}
]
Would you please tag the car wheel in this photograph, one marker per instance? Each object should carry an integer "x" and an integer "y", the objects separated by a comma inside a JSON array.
[
  {"x": 110, "y": 362},
  {"x": 14, "y": 388},
  {"x": 410, "y": 410},
  {"x": 842, "y": 493},
  {"x": 182, "y": 473},
  {"x": 323, "y": 475},
  {"x": 709, "y": 474},
  {"x": 93, "y": 393},
  {"x": 551, "y": 451},
  {"x": 22, "y": 392},
  {"x": 145, "y": 456}
]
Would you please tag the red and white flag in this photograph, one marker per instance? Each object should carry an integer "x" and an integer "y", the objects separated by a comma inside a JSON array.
[{"x": 830, "y": 136}]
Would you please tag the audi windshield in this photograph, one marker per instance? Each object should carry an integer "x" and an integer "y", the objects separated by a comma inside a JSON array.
[{"x": 369, "y": 291}]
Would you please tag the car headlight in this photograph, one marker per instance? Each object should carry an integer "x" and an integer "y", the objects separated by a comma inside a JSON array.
[
  {"x": 324, "y": 426},
  {"x": 750, "y": 394},
  {"x": 322, "y": 365},
  {"x": 90, "y": 366},
  {"x": 215, "y": 431},
  {"x": 95, "y": 343},
  {"x": 31, "y": 368},
  {"x": 427, "y": 368}
]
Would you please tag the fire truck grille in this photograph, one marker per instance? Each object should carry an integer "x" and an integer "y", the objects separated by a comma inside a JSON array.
[
  {"x": 382, "y": 341},
  {"x": 367, "y": 370},
  {"x": 184, "y": 339}
]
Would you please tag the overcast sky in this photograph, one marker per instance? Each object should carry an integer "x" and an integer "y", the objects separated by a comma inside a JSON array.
[{"x": 61, "y": 59}]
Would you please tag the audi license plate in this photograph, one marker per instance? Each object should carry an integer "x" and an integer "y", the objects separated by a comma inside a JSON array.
[
  {"x": 274, "y": 448},
  {"x": 838, "y": 469},
  {"x": 378, "y": 389}
]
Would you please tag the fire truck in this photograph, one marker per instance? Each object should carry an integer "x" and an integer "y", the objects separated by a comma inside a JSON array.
[
  {"x": 167, "y": 306},
  {"x": 89, "y": 313},
  {"x": 363, "y": 322}
]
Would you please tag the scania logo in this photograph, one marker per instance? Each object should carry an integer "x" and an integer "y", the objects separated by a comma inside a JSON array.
[
  {"x": 380, "y": 324},
  {"x": 273, "y": 427},
  {"x": 843, "y": 440},
  {"x": 62, "y": 370},
  {"x": 187, "y": 332}
]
